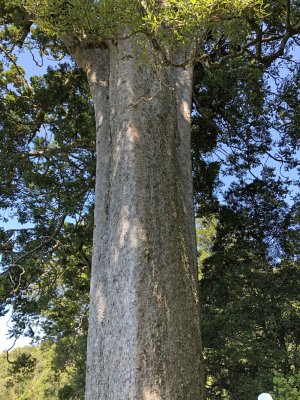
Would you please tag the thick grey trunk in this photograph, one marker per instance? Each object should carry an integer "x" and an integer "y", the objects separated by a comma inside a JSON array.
[{"x": 144, "y": 329}]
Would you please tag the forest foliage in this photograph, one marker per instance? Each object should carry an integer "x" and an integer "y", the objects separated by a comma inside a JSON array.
[
  {"x": 245, "y": 150},
  {"x": 36, "y": 373}
]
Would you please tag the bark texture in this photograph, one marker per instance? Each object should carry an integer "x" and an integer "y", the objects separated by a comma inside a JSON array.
[{"x": 144, "y": 329}]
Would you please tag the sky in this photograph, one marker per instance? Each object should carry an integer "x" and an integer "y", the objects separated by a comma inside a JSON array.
[{"x": 5, "y": 342}]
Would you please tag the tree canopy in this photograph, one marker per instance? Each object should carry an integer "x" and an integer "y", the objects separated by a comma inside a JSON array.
[{"x": 108, "y": 19}]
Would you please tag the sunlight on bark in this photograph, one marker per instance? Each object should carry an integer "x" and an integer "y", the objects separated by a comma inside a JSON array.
[
  {"x": 151, "y": 394},
  {"x": 100, "y": 301}
]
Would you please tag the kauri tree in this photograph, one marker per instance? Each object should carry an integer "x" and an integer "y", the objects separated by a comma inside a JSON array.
[{"x": 142, "y": 60}]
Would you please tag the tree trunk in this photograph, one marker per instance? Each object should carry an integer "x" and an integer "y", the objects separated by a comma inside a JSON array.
[{"x": 144, "y": 330}]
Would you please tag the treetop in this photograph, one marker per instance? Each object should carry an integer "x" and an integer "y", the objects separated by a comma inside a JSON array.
[{"x": 166, "y": 20}]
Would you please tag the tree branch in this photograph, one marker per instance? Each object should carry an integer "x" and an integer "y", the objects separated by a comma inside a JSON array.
[
  {"x": 40, "y": 246},
  {"x": 12, "y": 60}
]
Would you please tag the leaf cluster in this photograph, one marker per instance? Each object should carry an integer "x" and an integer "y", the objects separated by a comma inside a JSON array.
[
  {"x": 167, "y": 21},
  {"x": 249, "y": 292},
  {"x": 39, "y": 378}
]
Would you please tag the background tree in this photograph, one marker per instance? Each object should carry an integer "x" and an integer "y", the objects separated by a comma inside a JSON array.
[
  {"x": 245, "y": 127},
  {"x": 34, "y": 373},
  {"x": 249, "y": 288}
]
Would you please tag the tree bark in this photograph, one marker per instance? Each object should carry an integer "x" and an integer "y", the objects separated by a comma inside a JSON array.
[{"x": 144, "y": 329}]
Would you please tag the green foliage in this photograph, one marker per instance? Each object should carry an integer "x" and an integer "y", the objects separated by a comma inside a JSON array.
[
  {"x": 250, "y": 296},
  {"x": 32, "y": 374},
  {"x": 28, "y": 381},
  {"x": 205, "y": 234},
  {"x": 245, "y": 116},
  {"x": 79, "y": 18},
  {"x": 244, "y": 123},
  {"x": 22, "y": 366},
  {"x": 287, "y": 387},
  {"x": 168, "y": 21},
  {"x": 47, "y": 161}
]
